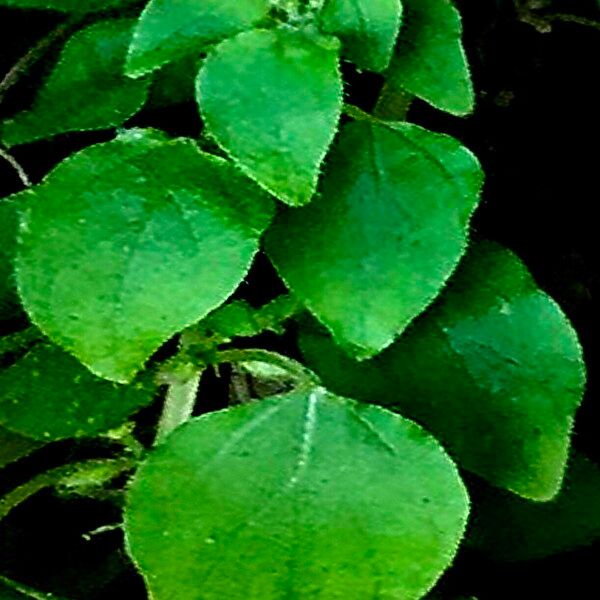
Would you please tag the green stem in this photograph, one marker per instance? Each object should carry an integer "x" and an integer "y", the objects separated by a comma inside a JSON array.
[
  {"x": 14, "y": 163},
  {"x": 71, "y": 476},
  {"x": 293, "y": 367},
  {"x": 393, "y": 104},
  {"x": 179, "y": 405},
  {"x": 27, "y": 591}
]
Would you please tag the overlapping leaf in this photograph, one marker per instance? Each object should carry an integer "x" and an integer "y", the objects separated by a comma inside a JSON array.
[
  {"x": 86, "y": 90},
  {"x": 390, "y": 224},
  {"x": 170, "y": 30},
  {"x": 317, "y": 497},
  {"x": 8, "y": 242},
  {"x": 48, "y": 395},
  {"x": 128, "y": 242},
  {"x": 430, "y": 61},
  {"x": 367, "y": 28},
  {"x": 272, "y": 100},
  {"x": 494, "y": 370}
]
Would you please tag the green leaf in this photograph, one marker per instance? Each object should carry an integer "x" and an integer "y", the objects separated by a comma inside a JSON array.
[
  {"x": 8, "y": 241},
  {"x": 367, "y": 28},
  {"x": 47, "y": 395},
  {"x": 68, "y": 6},
  {"x": 86, "y": 90},
  {"x": 301, "y": 496},
  {"x": 277, "y": 125},
  {"x": 170, "y": 30},
  {"x": 430, "y": 61},
  {"x": 494, "y": 370},
  {"x": 13, "y": 447},
  {"x": 126, "y": 243},
  {"x": 174, "y": 83},
  {"x": 374, "y": 249},
  {"x": 506, "y": 527}
]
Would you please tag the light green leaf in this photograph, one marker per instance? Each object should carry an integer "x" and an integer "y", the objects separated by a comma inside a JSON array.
[
  {"x": 272, "y": 100},
  {"x": 8, "y": 241},
  {"x": 86, "y": 90},
  {"x": 13, "y": 447},
  {"x": 430, "y": 61},
  {"x": 367, "y": 28},
  {"x": 494, "y": 370},
  {"x": 388, "y": 228},
  {"x": 506, "y": 527},
  {"x": 304, "y": 496},
  {"x": 48, "y": 395},
  {"x": 170, "y": 30},
  {"x": 76, "y": 6},
  {"x": 128, "y": 242}
]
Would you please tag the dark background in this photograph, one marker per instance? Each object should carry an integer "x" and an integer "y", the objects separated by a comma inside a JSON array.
[{"x": 535, "y": 130}]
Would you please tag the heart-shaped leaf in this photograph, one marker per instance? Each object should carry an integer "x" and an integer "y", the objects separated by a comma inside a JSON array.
[
  {"x": 367, "y": 28},
  {"x": 126, "y": 243},
  {"x": 85, "y": 91},
  {"x": 494, "y": 370},
  {"x": 388, "y": 228},
  {"x": 272, "y": 100},
  {"x": 430, "y": 61},
  {"x": 170, "y": 30},
  {"x": 48, "y": 395},
  {"x": 300, "y": 496}
]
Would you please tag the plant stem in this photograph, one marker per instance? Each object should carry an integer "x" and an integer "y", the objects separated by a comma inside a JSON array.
[
  {"x": 393, "y": 105},
  {"x": 91, "y": 472},
  {"x": 293, "y": 367},
  {"x": 27, "y": 591},
  {"x": 33, "y": 55},
  {"x": 12, "y": 161},
  {"x": 179, "y": 404}
]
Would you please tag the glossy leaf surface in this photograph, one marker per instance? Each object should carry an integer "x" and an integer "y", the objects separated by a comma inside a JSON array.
[
  {"x": 85, "y": 91},
  {"x": 494, "y": 370},
  {"x": 272, "y": 100},
  {"x": 430, "y": 61},
  {"x": 386, "y": 231},
  {"x": 300, "y": 496},
  {"x": 128, "y": 242}
]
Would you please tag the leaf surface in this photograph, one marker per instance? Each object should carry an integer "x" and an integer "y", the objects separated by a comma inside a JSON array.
[
  {"x": 494, "y": 370},
  {"x": 85, "y": 91},
  {"x": 272, "y": 100},
  {"x": 318, "y": 497},
  {"x": 128, "y": 242},
  {"x": 48, "y": 395},
  {"x": 8, "y": 243},
  {"x": 367, "y": 28},
  {"x": 430, "y": 61},
  {"x": 170, "y": 30},
  {"x": 13, "y": 447},
  {"x": 384, "y": 234}
]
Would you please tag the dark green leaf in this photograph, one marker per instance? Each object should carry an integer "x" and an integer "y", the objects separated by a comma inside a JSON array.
[
  {"x": 8, "y": 242},
  {"x": 430, "y": 61},
  {"x": 47, "y": 395},
  {"x": 170, "y": 30},
  {"x": 128, "y": 242},
  {"x": 301, "y": 496},
  {"x": 85, "y": 91},
  {"x": 272, "y": 100},
  {"x": 494, "y": 370},
  {"x": 75, "y": 6},
  {"x": 175, "y": 83},
  {"x": 367, "y": 28},
  {"x": 374, "y": 249},
  {"x": 509, "y": 528},
  {"x": 13, "y": 447}
]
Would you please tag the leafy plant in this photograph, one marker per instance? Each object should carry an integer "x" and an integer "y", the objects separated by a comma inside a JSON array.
[{"x": 125, "y": 270}]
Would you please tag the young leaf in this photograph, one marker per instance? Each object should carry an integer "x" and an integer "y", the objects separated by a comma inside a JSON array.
[
  {"x": 301, "y": 496},
  {"x": 367, "y": 28},
  {"x": 47, "y": 395},
  {"x": 494, "y": 370},
  {"x": 506, "y": 527},
  {"x": 272, "y": 100},
  {"x": 170, "y": 30},
  {"x": 75, "y": 6},
  {"x": 374, "y": 249},
  {"x": 8, "y": 241},
  {"x": 86, "y": 90},
  {"x": 126, "y": 243},
  {"x": 430, "y": 61}
]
